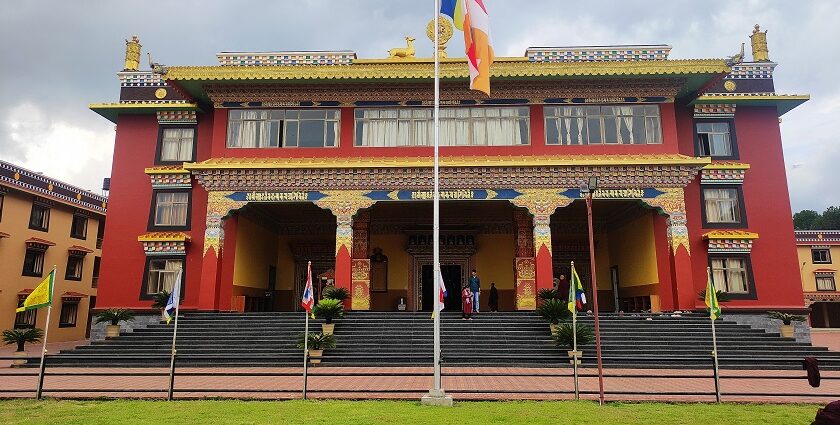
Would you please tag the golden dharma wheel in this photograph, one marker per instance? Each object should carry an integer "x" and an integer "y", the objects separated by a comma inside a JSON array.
[{"x": 445, "y": 31}]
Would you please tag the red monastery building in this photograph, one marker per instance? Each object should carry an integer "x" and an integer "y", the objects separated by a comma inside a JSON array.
[{"x": 241, "y": 172}]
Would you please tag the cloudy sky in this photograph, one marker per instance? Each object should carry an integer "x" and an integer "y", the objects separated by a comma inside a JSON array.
[{"x": 58, "y": 56}]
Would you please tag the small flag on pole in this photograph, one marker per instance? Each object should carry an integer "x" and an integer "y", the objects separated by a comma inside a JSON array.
[
  {"x": 174, "y": 299},
  {"x": 577, "y": 297},
  {"x": 308, "y": 300},
  {"x": 711, "y": 297},
  {"x": 471, "y": 17},
  {"x": 441, "y": 295},
  {"x": 41, "y": 296}
]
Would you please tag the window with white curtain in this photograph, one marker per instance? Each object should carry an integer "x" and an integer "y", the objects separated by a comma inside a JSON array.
[
  {"x": 722, "y": 205},
  {"x": 714, "y": 139},
  {"x": 826, "y": 283},
  {"x": 171, "y": 208},
  {"x": 477, "y": 126},
  {"x": 595, "y": 125},
  {"x": 177, "y": 144},
  {"x": 162, "y": 274},
  {"x": 730, "y": 275},
  {"x": 273, "y": 128}
]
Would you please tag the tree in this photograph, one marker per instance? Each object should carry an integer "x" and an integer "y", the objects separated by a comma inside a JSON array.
[
  {"x": 804, "y": 219},
  {"x": 831, "y": 218}
]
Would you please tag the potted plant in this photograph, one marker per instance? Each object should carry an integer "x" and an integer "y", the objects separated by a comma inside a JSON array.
[
  {"x": 114, "y": 316},
  {"x": 335, "y": 293},
  {"x": 786, "y": 329},
  {"x": 328, "y": 309},
  {"x": 317, "y": 343},
  {"x": 722, "y": 297},
  {"x": 554, "y": 311},
  {"x": 548, "y": 294},
  {"x": 21, "y": 337},
  {"x": 564, "y": 336},
  {"x": 161, "y": 300}
]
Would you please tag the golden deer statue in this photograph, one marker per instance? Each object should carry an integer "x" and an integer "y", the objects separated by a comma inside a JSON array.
[{"x": 403, "y": 52}]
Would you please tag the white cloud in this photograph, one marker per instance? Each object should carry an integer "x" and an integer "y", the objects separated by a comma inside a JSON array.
[{"x": 77, "y": 155}]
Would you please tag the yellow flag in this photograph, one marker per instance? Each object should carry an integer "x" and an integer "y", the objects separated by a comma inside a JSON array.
[{"x": 41, "y": 296}]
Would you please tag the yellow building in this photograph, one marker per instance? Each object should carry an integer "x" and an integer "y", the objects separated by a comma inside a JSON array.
[
  {"x": 45, "y": 223},
  {"x": 819, "y": 255}
]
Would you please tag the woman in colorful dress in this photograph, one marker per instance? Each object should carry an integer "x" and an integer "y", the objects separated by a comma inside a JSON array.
[{"x": 466, "y": 302}]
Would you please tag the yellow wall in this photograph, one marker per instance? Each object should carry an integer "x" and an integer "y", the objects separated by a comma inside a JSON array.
[
  {"x": 285, "y": 265},
  {"x": 602, "y": 261},
  {"x": 256, "y": 250},
  {"x": 399, "y": 261},
  {"x": 807, "y": 266},
  {"x": 17, "y": 207},
  {"x": 632, "y": 248},
  {"x": 494, "y": 260}
]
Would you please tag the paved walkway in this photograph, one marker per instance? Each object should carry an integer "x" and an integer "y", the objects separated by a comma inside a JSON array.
[
  {"x": 34, "y": 350},
  {"x": 826, "y": 338},
  {"x": 412, "y": 382}
]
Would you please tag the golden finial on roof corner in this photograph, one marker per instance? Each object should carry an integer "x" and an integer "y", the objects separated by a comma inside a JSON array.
[
  {"x": 132, "y": 54},
  {"x": 445, "y": 30},
  {"x": 759, "y": 45},
  {"x": 403, "y": 52}
]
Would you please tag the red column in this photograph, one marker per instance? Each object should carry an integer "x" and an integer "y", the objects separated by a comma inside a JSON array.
[
  {"x": 664, "y": 264},
  {"x": 343, "y": 246},
  {"x": 524, "y": 263},
  {"x": 211, "y": 262},
  {"x": 681, "y": 261},
  {"x": 542, "y": 245},
  {"x": 225, "y": 284}
]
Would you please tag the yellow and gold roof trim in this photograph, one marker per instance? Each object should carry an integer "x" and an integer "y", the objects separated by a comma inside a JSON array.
[
  {"x": 453, "y": 68},
  {"x": 164, "y": 237},
  {"x": 730, "y": 234},
  {"x": 166, "y": 169},
  {"x": 727, "y": 165},
  {"x": 448, "y": 161},
  {"x": 783, "y": 102}
]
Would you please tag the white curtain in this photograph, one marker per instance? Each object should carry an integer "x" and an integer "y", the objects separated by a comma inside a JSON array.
[
  {"x": 625, "y": 114},
  {"x": 722, "y": 206}
]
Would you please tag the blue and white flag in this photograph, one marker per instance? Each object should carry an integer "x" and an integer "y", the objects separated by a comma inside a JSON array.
[{"x": 174, "y": 299}]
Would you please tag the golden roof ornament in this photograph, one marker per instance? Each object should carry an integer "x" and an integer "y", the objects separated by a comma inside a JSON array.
[
  {"x": 445, "y": 31},
  {"x": 403, "y": 52},
  {"x": 132, "y": 54},
  {"x": 759, "y": 45}
]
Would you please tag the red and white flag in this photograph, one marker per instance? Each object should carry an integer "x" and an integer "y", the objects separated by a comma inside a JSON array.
[
  {"x": 308, "y": 300},
  {"x": 442, "y": 293}
]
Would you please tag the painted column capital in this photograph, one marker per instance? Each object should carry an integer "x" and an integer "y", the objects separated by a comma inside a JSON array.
[{"x": 672, "y": 203}]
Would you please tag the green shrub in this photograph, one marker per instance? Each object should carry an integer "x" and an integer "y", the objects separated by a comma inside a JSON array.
[
  {"x": 554, "y": 311},
  {"x": 161, "y": 299},
  {"x": 722, "y": 297},
  {"x": 115, "y": 316},
  {"x": 328, "y": 309},
  {"x": 564, "y": 337},
  {"x": 22, "y": 336},
  {"x": 786, "y": 318},
  {"x": 548, "y": 294},
  {"x": 317, "y": 341},
  {"x": 335, "y": 293}
]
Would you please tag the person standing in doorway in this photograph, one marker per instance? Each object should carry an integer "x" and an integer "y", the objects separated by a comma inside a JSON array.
[
  {"x": 475, "y": 288},
  {"x": 494, "y": 298},
  {"x": 466, "y": 302}
]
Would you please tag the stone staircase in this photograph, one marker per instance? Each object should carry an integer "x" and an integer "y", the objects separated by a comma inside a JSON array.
[{"x": 405, "y": 339}]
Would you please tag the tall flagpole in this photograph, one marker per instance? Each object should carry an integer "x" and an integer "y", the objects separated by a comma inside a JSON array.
[
  {"x": 714, "y": 337},
  {"x": 306, "y": 334},
  {"x": 574, "y": 336},
  {"x": 177, "y": 301},
  {"x": 436, "y": 201},
  {"x": 40, "y": 388}
]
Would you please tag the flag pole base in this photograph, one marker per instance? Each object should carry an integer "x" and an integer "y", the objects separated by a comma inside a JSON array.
[{"x": 437, "y": 398}]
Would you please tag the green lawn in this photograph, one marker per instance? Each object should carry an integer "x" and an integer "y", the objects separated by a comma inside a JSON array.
[{"x": 394, "y": 412}]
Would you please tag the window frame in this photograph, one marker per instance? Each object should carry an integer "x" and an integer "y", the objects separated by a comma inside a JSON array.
[
  {"x": 751, "y": 289},
  {"x": 65, "y": 303},
  {"x": 283, "y": 140},
  {"x": 153, "y": 210},
  {"x": 47, "y": 210},
  {"x": 81, "y": 259},
  {"x": 827, "y": 255},
  {"x": 33, "y": 314},
  {"x": 733, "y": 139},
  {"x": 2, "y": 201},
  {"x": 825, "y": 276},
  {"x": 40, "y": 273},
  {"x": 600, "y": 118},
  {"x": 144, "y": 295},
  {"x": 159, "y": 147},
  {"x": 742, "y": 224},
  {"x": 83, "y": 235}
]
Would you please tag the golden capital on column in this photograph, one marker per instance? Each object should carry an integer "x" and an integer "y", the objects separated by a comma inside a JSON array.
[
  {"x": 758, "y": 40},
  {"x": 132, "y": 54}
]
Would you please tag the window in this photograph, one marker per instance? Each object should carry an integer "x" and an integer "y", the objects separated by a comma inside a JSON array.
[
  {"x": 75, "y": 264},
  {"x": 826, "y": 283},
  {"x": 478, "y": 126},
  {"x": 820, "y": 256},
  {"x": 78, "y": 229},
  {"x": 39, "y": 218},
  {"x": 595, "y": 125},
  {"x": 2, "y": 197},
  {"x": 272, "y": 128},
  {"x": 176, "y": 144},
  {"x": 69, "y": 312},
  {"x": 33, "y": 262},
  {"x": 161, "y": 274},
  {"x": 171, "y": 210},
  {"x": 716, "y": 140},
  {"x": 94, "y": 282},
  {"x": 733, "y": 275},
  {"x": 100, "y": 233},
  {"x": 25, "y": 319},
  {"x": 723, "y": 207}
]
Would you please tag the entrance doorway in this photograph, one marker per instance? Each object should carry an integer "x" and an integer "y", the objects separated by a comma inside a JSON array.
[{"x": 452, "y": 278}]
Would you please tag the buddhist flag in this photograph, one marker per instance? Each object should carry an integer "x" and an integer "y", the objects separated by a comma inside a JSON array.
[
  {"x": 711, "y": 297},
  {"x": 577, "y": 297},
  {"x": 471, "y": 17},
  {"x": 41, "y": 296},
  {"x": 171, "y": 308},
  {"x": 308, "y": 300}
]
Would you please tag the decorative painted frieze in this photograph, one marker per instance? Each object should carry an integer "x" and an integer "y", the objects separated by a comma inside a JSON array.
[
  {"x": 344, "y": 57},
  {"x": 714, "y": 111},
  {"x": 818, "y": 238},
  {"x": 164, "y": 243},
  {"x": 752, "y": 70},
  {"x": 177, "y": 117},
  {"x": 140, "y": 79},
  {"x": 598, "y": 53},
  {"x": 51, "y": 189},
  {"x": 724, "y": 173},
  {"x": 169, "y": 177},
  {"x": 730, "y": 241}
]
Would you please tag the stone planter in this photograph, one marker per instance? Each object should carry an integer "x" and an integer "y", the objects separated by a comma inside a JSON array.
[
  {"x": 315, "y": 356},
  {"x": 786, "y": 331},
  {"x": 327, "y": 328},
  {"x": 20, "y": 360},
  {"x": 112, "y": 331},
  {"x": 571, "y": 354}
]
